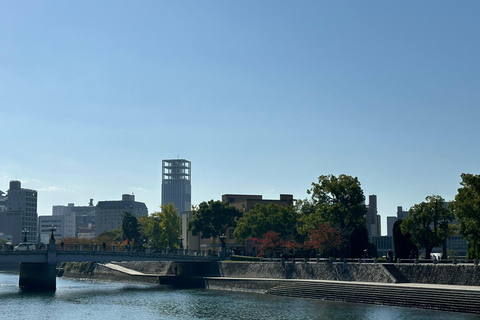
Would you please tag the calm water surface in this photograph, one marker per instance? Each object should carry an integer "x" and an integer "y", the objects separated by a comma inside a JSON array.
[{"x": 76, "y": 299}]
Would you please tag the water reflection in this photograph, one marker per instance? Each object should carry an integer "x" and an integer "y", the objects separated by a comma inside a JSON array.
[{"x": 107, "y": 300}]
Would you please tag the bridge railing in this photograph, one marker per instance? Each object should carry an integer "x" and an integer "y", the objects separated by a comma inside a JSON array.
[
  {"x": 68, "y": 248},
  {"x": 370, "y": 260}
]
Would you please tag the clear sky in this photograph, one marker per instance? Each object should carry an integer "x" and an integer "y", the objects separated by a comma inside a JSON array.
[{"x": 261, "y": 96}]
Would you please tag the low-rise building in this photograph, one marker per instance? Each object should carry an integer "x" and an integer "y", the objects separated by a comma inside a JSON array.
[
  {"x": 244, "y": 203},
  {"x": 109, "y": 213}
]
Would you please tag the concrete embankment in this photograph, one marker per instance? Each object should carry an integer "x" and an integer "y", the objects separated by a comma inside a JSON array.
[{"x": 351, "y": 282}]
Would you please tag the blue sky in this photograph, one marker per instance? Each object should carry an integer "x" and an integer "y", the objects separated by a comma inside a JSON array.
[{"x": 262, "y": 96}]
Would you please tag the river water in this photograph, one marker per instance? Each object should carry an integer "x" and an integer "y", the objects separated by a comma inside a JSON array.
[{"x": 80, "y": 299}]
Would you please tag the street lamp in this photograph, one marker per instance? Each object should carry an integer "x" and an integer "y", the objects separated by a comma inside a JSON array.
[
  {"x": 180, "y": 239},
  {"x": 25, "y": 232},
  {"x": 222, "y": 239},
  {"x": 52, "y": 229}
]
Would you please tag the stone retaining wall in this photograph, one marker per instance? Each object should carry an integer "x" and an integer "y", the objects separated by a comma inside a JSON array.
[
  {"x": 314, "y": 271},
  {"x": 421, "y": 273},
  {"x": 460, "y": 274}
]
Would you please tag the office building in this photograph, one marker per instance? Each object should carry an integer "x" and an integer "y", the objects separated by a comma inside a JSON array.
[
  {"x": 18, "y": 218},
  {"x": 372, "y": 218},
  {"x": 109, "y": 213},
  {"x": 84, "y": 216},
  {"x": 176, "y": 184},
  {"x": 177, "y": 189},
  {"x": 401, "y": 214},
  {"x": 64, "y": 226}
]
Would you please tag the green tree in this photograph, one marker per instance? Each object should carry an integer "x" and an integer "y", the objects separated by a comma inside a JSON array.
[
  {"x": 162, "y": 228},
  {"x": 114, "y": 236},
  {"x": 213, "y": 218},
  {"x": 402, "y": 243},
  {"x": 467, "y": 210},
  {"x": 130, "y": 227},
  {"x": 428, "y": 223},
  {"x": 263, "y": 218},
  {"x": 340, "y": 202}
]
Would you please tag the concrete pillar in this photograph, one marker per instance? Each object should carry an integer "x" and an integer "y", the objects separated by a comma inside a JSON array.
[{"x": 38, "y": 276}]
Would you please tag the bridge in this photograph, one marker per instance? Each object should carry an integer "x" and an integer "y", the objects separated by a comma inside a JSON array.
[{"x": 38, "y": 267}]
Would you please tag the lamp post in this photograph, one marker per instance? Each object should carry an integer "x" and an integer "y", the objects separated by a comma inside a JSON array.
[
  {"x": 52, "y": 229},
  {"x": 25, "y": 232},
  {"x": 180, "y": 239},
  {"x": 222, "y": 239}
]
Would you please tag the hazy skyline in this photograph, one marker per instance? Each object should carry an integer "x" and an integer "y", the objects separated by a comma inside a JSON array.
[{"x": 262, "y": 97}]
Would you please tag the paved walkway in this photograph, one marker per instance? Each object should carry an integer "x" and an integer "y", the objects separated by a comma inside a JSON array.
[{"x": 128, "y": 271}]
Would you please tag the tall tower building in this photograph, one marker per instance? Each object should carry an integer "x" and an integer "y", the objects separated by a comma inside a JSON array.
[
  {"x": 177, "y": 189},
  {"x": 176, "y": 184},
  {"x": 372, "y": 218}
]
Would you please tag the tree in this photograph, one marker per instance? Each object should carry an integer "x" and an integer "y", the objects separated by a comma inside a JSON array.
[
  {"x": 263, "y": 218},
  {"x": 212, "y": 219},
  {"x": 162, "y": 228},
  {"x": 402, "y": 243},
  {"x": 428, "y": 223},
  {"x": 467, "y": 210},
  {"x": 340, "y": 202},
  {"x": 324, "y": 238},
  {"x": 270, "y": 241},
  {"x": 130, "y": 227}
]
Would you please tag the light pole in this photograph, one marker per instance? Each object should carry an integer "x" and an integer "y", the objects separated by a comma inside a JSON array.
[
  {"x": 25, "y": 232},
  {"x": 52, "y": 229},
  {"x": 222, "y": 239},
  {"x": 180, "y": 239}
]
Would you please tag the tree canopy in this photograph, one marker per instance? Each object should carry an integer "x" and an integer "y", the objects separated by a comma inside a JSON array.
[
  {"x": 213, "y": 218},
  {"x": 264, "y": 218},
  {"x": 324, "y": 238},
  {"x": 130, "y": 227},
  {"x": 402, "y": 242},
  {"x": 428, "y": 223},
  {"x": 339, "y": 200},
  {"x": 162, "y": 228},
  {"x": 467, "y": 210}
]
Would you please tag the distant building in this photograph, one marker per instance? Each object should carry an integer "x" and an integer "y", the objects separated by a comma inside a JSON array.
[
  {"x": 176, "y": 184},
  {"x": 244, "y": 203},
  {"x": 84, "y": 216},
  {"x": 3, "y": 201},
  {"x": 18, "y": 216},
  {"x": 109, "y": 213},
  {"x": 64, "y": 226},
  {"x": 401, "y": 214},
  {"x": 382, "y": 244},
  {"x": 372, "y": 218},
  {"x": 177, "y": 189}
]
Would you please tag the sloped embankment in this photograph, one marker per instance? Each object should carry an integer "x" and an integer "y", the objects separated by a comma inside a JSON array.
[{"x": 92, "y": 270}]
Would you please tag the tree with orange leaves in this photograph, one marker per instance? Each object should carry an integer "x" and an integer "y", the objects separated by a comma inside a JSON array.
[{"x": 324, "y": 238}]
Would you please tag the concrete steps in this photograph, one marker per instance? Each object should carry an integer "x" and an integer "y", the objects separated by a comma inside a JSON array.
[
  {"x": 467, "y": 301},
  {"x": 400, "y": 277}
]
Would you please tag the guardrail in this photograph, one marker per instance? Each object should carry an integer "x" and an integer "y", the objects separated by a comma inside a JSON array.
[{"x": 370, "y": 260}]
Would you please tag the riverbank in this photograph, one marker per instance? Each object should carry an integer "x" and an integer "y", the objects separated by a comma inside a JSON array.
[{"x": 350, "y": 282}]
